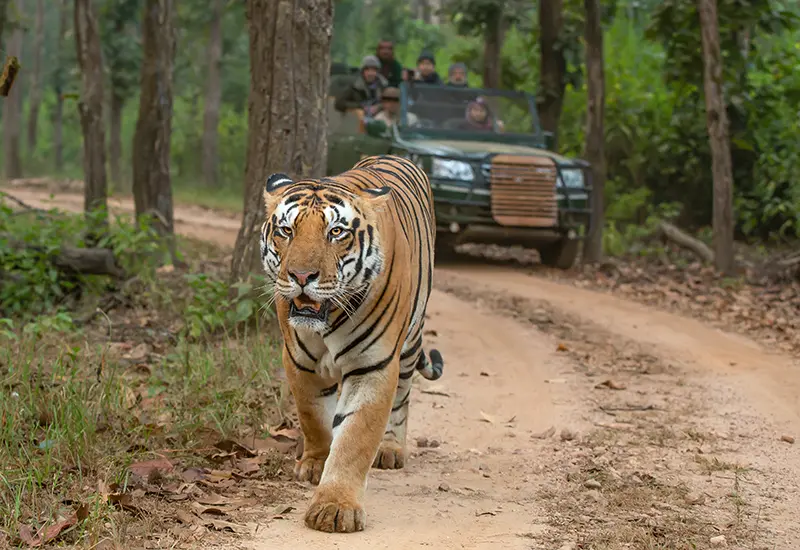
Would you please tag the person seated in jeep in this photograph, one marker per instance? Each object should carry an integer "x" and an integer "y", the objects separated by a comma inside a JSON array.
[
  {"x": 365, "y": 92},
  {"x": 390, "y": 109},
  {"x": 478, "y": 117},
  {"x": 457, "y": 75}
]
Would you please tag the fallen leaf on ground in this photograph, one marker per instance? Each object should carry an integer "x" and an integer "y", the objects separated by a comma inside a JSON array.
[
  {"x": 185, "y": 517},
  {"x": 232, "y": 448},
  {"x": 555, "y": 381},
  {"x": 611, "y": 385},
  {"x": 194, "y": 474},
  {"x": 146, "y": 468},
  {"x": 562, "y": 347},
  {"x": 487, "y": 418},
  {"x": 485, "y": 373},
  {"x": 272, "y": 443},
  {"x": 48, "y": 534},
  {"x": 485, "y": 514},
  {"x": 286, "y": 434},
  {"x": 201, "y": 509},
  {"x": 124, "y": 501},
  {"x": 787, "y": 439}
]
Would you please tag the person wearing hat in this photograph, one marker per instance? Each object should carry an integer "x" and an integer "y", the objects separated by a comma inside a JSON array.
[
  {"x": 391, "y": 69},
  {"x": 457, "y": 75},
  {"x": 390, "y": 109},
  {"x": 365, "y": 92},
  {"x": 426, "y": 69}
]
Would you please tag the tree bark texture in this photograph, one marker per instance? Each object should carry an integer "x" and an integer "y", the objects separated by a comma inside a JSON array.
[
  {"x": 287, "y": 111},
  {"x": 493, "y": 47},
  {"x": 717, "y": 122},
  {"x": 90, "y": 106},
  {"x": 115, "y": 139},
  {"x": 59, "y": 77},
  {"x": 554, "y": 66},
  {"x": 213, "y": 98},
  {"x": 152, "y": 189},
  {"x": 595, "y": 138},
  {"x": 12, "y": 105},
  {"x": 36, "y": 78},
  {"x": 3, "y": 18}
]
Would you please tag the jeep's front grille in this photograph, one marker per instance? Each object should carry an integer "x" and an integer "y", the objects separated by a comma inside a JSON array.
[{"x": 524, "y": 191}]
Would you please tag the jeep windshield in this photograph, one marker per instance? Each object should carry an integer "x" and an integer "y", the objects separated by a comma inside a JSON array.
[{"x": 466, "y": 113}]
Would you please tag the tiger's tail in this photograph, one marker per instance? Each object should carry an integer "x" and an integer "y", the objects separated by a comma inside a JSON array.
[{"x": 431, "y": 368}]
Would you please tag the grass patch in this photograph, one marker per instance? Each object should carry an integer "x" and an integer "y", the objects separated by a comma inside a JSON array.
[{"x": 115, "y": 428}]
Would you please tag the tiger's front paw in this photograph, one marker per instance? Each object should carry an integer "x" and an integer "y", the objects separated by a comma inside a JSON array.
[
  {"x": 391, "y": 456},
  {"x": 333, "y": 512},
  {"x": 309, "y": 468},
  {"x": 327, "y": 369}
]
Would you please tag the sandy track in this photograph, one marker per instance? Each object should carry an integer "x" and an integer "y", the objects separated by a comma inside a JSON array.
[{"x": 701, "y": 413}]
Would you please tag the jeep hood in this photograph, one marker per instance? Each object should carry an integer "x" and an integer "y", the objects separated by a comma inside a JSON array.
[{"x": 479, "y": 149}]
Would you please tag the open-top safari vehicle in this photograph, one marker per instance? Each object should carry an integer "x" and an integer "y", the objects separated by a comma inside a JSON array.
[{"x": 493, "y": 184}]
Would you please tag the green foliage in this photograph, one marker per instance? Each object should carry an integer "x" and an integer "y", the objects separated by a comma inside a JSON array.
[
  {"x": 121, "y": 43},
  {"x": 213, "y": 308},
  {"x": 31, "y": 285}
]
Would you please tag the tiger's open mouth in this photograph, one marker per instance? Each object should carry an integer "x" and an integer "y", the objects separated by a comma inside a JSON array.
[{"x": 303, "y": 306}]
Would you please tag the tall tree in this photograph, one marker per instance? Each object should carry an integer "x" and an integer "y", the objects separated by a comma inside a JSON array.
[
  {"x": 12, "y": 106},
  {"x": 152, "y": 189},
  {"x": 287, "y": 118},
  {"x": 554, "y": 65},
  {"x": 213, "y": 97},
  {"x": 3, "y": 18},
  {"x": 36, "y": 77},
  {"x": 595, "y": 138},
  {"x": 90, "y": 107},
  {"x": 59, "y": 84},
  {"x": 493, "y": 38},
  {"x": 122, "y": 50},
  {"x": 717, "y": 122}
]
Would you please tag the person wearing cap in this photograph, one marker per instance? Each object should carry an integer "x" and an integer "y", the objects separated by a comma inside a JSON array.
[
  {"x": 365, "y": 92},
  {"x": 426, "y": 69},
  {"x": 457, "y": 75},
  {"x": 390, "y": 109},
  {"x": 391, "y": 69}
]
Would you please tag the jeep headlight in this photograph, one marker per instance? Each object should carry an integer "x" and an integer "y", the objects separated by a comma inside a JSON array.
[
  {"x": 452, "y": 170},
  {"x": 571, "y": 179}
]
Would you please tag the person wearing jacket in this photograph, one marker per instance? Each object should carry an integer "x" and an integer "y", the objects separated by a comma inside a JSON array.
[
  {"x": 426, "y": 69},
  {"x": 457, "y": 75},
  {"x": 391, "y": 69},
  {"x": 365, "y": 92}
]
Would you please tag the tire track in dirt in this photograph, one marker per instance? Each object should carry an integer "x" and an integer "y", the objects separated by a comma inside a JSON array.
[{"x": 687, "y": 452}]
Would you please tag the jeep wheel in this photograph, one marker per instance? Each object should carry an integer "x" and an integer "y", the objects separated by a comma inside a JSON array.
[
  {"x": 445, "y": 247},
  {"x": 560, "y": 254}
]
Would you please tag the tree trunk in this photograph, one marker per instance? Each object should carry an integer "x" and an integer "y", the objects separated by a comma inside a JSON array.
[
  {"x": 3, "y": 18},
  {"x": 115, "y": 139},
  {"x": 152, "y": 189},
  {"x": 12, "y": 105},
  {"x": 554, "y": 66},
  {"x": 493, "y": 47},
  {"x": 595, "y": 139},
  {"x": 90, "y": 108},
  {"x": 36, "y": 78},
  {"x": 213, "y": 99},
  {"x": 717, "y": 122},
  {"x": 60, "y": 78},
  {"x": 287, "y": 115}
]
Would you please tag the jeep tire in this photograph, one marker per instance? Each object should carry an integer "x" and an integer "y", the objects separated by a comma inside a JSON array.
[{"x": 560, "y": 254}]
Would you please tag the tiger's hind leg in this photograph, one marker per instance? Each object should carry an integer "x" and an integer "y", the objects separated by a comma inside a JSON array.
[{"x": 392, "y": 452}]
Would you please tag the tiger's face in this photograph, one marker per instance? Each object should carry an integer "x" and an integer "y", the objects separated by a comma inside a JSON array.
[{"x": 320, "y": 246}]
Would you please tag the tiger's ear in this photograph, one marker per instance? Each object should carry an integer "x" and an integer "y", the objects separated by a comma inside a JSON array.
[
  {"x": 379, "y": 195},
  {"x": 274, "y": 182}
]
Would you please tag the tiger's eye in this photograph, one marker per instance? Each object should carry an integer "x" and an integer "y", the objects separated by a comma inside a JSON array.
[{"x": 336, "y": 231}]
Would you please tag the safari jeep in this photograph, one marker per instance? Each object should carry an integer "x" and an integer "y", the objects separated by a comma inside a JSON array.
[{"x": 493, "y": 185}]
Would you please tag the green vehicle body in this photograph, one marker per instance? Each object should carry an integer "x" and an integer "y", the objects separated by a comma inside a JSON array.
[{"x": 503, "y": 203}]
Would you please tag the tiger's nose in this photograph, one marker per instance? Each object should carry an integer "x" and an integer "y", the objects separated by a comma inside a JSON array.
[{"x": 302, "y": 278}]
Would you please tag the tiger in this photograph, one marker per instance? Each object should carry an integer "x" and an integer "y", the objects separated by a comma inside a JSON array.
[{"x": 351, "y": 259}]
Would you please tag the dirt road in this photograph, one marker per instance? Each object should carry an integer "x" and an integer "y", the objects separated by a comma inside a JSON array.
[{"x": 572, "y": 419}]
